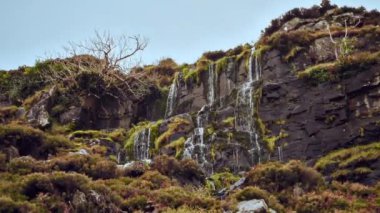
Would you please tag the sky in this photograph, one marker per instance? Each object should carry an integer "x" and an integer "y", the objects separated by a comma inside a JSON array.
[{"x": 32, "y": 30}]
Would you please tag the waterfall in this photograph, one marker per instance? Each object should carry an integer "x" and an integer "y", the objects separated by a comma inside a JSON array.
[
  {"x": 212, "y": 78},
  {"x": 202, "y": 119},
  {"x": 245, "y": 106},
  {"x": 172, "y": 96},
  {"x": 258, "y": 147},
  {"x": 195, "y": 145},
  {"x": 142, "y": 144},
  {"x": 280, "y": 156},
  {"x": 189, "y": 148}
]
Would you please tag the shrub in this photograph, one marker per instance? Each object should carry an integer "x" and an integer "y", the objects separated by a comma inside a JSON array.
[
  {"x": 327, "y": 202},
  {"x": 30, "y": 141},
  {"x": 138, "y": 202},
  {"x": 166, "y": 165},
  {"x": 186, "y": 171},
  {"x": 103, "y": 169},
  {"x": 250, "y": 193},
  {"x": 9, "y": 205},
  {"x": 93, "y": 166},
  {"x": 49, "y": 183},
  {"x": 175, "y": 197},
  {"x": 223, "y": 180},
  {"x": 214, "y": 55},
  {"x": 276, "y": 177},
  {"x": 26, "y": 165},
  {"x": 135, "y": 170},
  {"x": 157, "y": 180}
]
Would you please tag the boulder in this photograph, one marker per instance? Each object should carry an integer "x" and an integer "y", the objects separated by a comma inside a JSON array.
[
  {"x": 252, "y": 206},
  {"x": 38, "y": 114}
]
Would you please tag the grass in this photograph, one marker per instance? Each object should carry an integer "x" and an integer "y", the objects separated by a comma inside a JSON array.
[
  {"x": 318, "y": 73},
  {"x": 223, "y": 180},
  {"x": 8, "y": 112},
  {"x": 351, "y": 164},
  {"x": 30, "y": 141},
  {"x": 230, "y": 121},
  {"x": 195, "y": 74},
  {"x": 175, "y": 125},
  {"x": 349, "y": 157},
  {"x": 179, "y": 146},
  {"x": 340, "y": 69},
  {"x": 270, "y": 141},
  {"x": 292, "y": 53},
  {"x": 221, "y": 65}
]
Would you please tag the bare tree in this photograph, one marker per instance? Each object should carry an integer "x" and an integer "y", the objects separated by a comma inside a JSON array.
[
  {"x": 341, "y": 47},
  {"x": 110, "y": 57}
]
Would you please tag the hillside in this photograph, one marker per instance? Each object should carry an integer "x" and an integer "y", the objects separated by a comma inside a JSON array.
[{"x": 291, "y": 123}]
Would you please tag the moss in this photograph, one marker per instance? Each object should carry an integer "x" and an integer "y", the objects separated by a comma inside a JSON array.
[
  {"x": 117, "y": 135},
  {"x": 176, "y": 124},
  {"x": 292, "y": 53},
  {"x": 319, "y": 73},
  {"x": 261, "y": 126},
  {"x": 351, "y": 163},
  {"x": 280, "y": 122},
  {"x": 194, "y": 75},
  {"x": 230, "y": 121},
  {"x": 285, "y": 41},
  {"x": 221, "y": 65},
  {"x": 191, "y": 75},
  {"x": 350, "y": 156},
  {"x": 261, "y": 50},
  {"x": 87, "y": 134},
  {"x": 343, "y": 68},
  {"x": 179, "y": 146},
  {"x": 223, "y": 180},
  {"x": 270, "y": 141}
]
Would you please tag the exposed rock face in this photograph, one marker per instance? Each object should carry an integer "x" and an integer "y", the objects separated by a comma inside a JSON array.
[
  {"x": 321, "y": 118},
  {"x": 38, "y": 115},
  {"x": 253, "y": 106},
  {"x": 253, "y": 206}
]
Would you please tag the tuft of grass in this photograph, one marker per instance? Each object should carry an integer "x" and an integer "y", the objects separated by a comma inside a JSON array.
[
  {"x": 270, "y": 141},
  {"x": 349, "y": 157},
  {"x": 175, "y": 125},
  {"x": 179, "y": 146}
]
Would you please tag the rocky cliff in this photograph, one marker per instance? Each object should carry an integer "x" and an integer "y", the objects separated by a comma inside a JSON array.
[{"x": 308, "y": 90}]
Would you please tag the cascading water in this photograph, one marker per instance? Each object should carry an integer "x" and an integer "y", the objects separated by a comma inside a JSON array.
[
  {"x": 202, "y": 119},
  {"x": 195, "y": 145},
  {"x": 189, "y": 148},
  {"x": 280, "y": 156},
  {"x": 244, "y": 120},
  {"x": 172, "y": 97},
  {"x": 142, "y": 144}
]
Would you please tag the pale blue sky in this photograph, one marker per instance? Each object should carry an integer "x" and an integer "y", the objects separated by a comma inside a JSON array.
[{"x": 181, "y": 29}]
